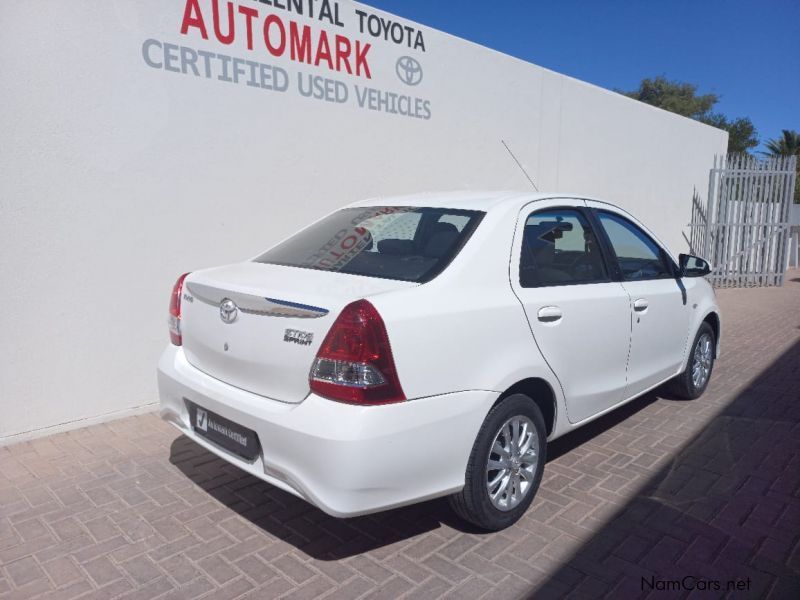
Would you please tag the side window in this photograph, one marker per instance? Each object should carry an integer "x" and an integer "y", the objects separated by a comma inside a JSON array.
[
  {"x": 639, "y": 257},
  {"x": 559, "y": 248}
]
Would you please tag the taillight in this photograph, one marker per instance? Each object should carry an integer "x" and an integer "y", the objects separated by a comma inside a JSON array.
[
  {"x": 175, "y": 311},
  {"x": 355, "y": 363}
]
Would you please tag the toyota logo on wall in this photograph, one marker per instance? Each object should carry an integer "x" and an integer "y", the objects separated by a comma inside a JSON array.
[
  {"x": 409, "y": 70},
  {"x": 228, "y": 311}
]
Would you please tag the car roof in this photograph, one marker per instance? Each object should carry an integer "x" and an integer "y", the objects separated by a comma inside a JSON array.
[{"x": 483, "y": 200}]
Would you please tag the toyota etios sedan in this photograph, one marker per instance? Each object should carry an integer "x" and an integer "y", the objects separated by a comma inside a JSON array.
[{"x": 402, "y": 349}]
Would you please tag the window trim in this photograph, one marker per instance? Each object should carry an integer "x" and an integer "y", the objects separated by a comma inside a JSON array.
[
  {"x": 664, "y": 256},
  {"x": 588, "y": 217}
]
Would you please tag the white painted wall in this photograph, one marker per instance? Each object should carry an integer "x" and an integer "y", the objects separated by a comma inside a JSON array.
[{"x": 115, "y": 176}]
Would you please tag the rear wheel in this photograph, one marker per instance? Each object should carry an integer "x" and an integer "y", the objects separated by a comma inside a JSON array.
[
  {"x": 693, "y": 381},
  {"x": 505, "y": 466}
]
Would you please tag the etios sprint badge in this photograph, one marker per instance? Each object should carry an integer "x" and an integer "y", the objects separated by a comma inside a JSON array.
[{"x": 304, "y": 338}]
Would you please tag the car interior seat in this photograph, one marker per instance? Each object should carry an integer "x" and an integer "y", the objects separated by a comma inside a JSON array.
[
  {"x": 539, "y": 253},
  {"x": 441, "y": 240}
]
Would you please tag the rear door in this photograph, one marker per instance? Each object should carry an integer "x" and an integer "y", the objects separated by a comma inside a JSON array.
[
  {"x": 660, "y": 316},
  {"x": 580, "y": 318}
]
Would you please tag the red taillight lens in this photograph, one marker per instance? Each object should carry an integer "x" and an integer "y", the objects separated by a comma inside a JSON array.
[
  {"x": 355, "y": 363},
  {"x": 175, "y": 312}
]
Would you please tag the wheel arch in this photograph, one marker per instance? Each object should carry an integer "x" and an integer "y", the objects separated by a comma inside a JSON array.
[
  {"x": 712, "y": 318},
  {"x": 542, "y": 394}
]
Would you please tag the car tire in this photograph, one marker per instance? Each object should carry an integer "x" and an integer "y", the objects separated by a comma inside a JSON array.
[
  {"x": 521, "y": 471},
  {"x": 694, "y": 380}
]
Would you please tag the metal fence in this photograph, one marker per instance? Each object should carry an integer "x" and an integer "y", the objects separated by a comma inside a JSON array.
[{"x": 743, "y": 230}]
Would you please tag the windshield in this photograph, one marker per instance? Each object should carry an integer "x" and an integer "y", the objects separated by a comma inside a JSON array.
[{"x": 393, "y": 242}]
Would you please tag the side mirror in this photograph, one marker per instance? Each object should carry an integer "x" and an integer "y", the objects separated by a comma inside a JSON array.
[{"x": 693, "y": 266}]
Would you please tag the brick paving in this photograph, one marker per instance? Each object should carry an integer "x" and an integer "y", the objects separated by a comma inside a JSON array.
[{"x": 657, "y": 491}]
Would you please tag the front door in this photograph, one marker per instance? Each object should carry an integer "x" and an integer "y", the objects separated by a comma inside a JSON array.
[
  {"x": 660, "y": 317},
  {"x": 579, "y": 317}
]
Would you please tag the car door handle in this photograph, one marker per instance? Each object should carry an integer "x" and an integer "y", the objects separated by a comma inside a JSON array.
[
  {"x": 550, "y": 314},
  {"x": 640, "y": 305}
]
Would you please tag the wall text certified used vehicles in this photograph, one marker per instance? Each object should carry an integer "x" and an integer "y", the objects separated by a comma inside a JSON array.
[{"x": 409, "y": 348}]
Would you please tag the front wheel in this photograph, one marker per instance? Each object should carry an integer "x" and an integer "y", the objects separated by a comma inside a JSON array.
[
  {"x": 505, "y": 466},
  {"x": 693, "y": 381}
]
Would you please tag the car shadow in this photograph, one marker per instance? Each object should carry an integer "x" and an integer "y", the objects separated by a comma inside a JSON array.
[
  {"x": 724, "y": 508},
  {"x": 322, "y": 537},
  {"x": 588, "y": 432},
  {"x": 295, "y": 521}
]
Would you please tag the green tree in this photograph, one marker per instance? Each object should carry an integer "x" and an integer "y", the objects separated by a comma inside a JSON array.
[
  {"x": 787, "y": 145},
  {"x": 674, "y": 96},
  {"x": 682, "y": 98},
  {"x": 741, "y": 132}
]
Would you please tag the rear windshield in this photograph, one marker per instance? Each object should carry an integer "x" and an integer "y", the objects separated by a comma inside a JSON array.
[{"x": 393, "y": 242}]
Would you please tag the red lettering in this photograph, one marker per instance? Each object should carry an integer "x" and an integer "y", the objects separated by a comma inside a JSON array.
[
  {"x": 348, "y": 56},
  {"x": 192, "y": 17},
  {"x": 249, "y": 15},
  {"x": 323, "y": 51},
  {"x": 361, "y": 59},
  {"x": 225, "y": 39},
  {"x": 343, "y": 54},
  {"x": 275, "y": 50},
  {"x": 300, "y": 43},
  {"x": 351, "y": 244}
]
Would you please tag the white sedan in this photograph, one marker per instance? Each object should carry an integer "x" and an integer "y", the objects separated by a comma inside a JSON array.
[{"x": 408, "y": 348}]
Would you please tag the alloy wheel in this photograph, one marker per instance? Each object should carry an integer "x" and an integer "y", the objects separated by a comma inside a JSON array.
[
  {"x": 701, "y": 361},
  {"x": 512, "y": 463}
]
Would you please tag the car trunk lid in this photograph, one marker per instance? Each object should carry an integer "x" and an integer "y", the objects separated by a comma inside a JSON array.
[{"x": 258, "y": 326}]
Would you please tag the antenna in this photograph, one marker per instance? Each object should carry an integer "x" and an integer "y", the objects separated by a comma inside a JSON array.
[{"x": 519, "y": 164}]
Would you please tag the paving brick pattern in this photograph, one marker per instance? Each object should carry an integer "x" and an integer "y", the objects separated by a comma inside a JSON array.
[{"x": 657, "y": 491}]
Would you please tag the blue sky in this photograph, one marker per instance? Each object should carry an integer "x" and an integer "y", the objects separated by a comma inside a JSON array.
[{"x": 748, "y": 52}]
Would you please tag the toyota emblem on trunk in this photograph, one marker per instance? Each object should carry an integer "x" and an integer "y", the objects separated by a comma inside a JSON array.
[{"x": 228, "y": 311}]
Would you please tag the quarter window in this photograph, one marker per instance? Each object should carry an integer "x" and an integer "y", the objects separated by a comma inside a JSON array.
[
  {"x": 559, "y": 248},
  {"x": 639, "y": 257}
]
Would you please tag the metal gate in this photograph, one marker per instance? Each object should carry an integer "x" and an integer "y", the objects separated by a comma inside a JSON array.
[{"x": 743, "y": 230}]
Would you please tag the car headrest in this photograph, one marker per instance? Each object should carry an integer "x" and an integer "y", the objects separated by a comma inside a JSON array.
[
  {"x": 445, "y": 228},
  {"x": 440, "y": 242},
  {"x": 393, "y": 246},
  {"x": 546, "y": 232}
]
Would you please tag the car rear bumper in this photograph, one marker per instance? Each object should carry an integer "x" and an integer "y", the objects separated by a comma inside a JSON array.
[{"x": 347, "y": 460}]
